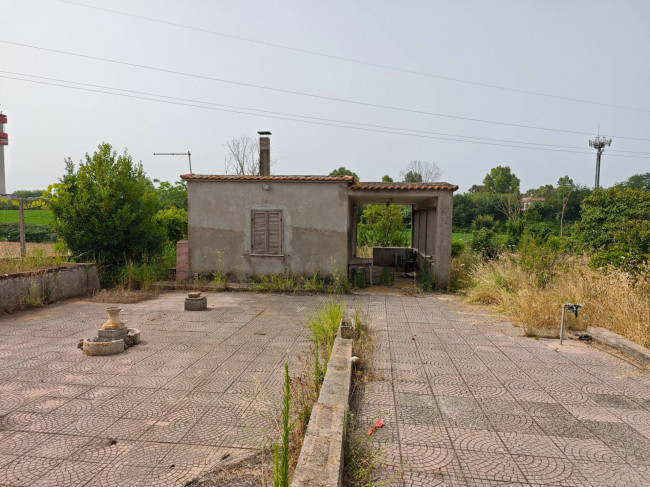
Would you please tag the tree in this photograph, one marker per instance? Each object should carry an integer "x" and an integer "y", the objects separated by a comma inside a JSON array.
[
  {"x": 342, "y": 171},
  {"x": 386, "y": 179},
  {"x": 638, "y": 181},
  {"x": 412, "y": 177},
  {"x": 243, "y": 156},
  {"x": 565, "y": 187},
  {"x": 171, "y": 195},
  {"x": 105, "y": 209},
  {"x": 173, "y": 222},
  {"x": 615, "y": 227},
  {"x": 428, "y": 172},
  {"x": 382, "y": 226},
  {"x": 501, "y": 180}
]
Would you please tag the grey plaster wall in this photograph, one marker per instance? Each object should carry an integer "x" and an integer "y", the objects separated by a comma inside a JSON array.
[
  {"x": 17, "y": 290},
  {"x": 315, "y": 226}
]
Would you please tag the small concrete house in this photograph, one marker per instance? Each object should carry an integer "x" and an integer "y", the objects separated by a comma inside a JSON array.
[{"x": 263, "y": 224}]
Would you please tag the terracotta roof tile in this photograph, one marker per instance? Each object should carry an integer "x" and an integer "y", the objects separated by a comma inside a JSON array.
[
  {"x": 218, "y": 177},
  {"x": 404, "y": 186}
]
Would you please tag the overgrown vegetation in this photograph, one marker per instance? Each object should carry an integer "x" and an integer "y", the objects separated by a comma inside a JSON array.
[
  {"x": 35, "y": 259},
  {"x": 590, "y": 247},
  {"x": 281, "y": 453},
  {"x": 323, "y": 325}
]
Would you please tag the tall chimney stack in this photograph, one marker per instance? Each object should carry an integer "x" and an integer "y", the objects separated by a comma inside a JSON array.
[{"x": 265, "y": 153}]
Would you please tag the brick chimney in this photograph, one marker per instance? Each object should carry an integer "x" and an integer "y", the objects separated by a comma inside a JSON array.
[{"x": 265, "y": 153}]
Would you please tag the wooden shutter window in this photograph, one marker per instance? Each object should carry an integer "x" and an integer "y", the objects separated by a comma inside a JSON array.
[{"x": 266, "y": 232}]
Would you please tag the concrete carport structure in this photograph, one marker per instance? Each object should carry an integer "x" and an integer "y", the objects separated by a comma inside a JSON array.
[
  {"x": 263, "y": 224},
  {"x": 432, "y": 207}
]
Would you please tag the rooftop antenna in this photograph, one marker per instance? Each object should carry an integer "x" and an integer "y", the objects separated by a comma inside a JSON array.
[{"x": 188, "y": 154}]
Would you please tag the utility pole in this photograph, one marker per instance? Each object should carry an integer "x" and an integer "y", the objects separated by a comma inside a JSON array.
[
  {"x": 599, "y": 144},
  {"x": 188, "y": 154}
]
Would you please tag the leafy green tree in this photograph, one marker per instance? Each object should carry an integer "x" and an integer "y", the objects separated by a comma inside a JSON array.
[
  {"x": 386, "y": 179},
  {"x": 105, "y": 209},
  {"x": 342, "y": 171},
  {"x": 485, "y": 243},
  {"x": 615, "y": 227},
  {"x": 173, "y": 222},
  {"x": 501, "y": 180},
  {"x": 638, "y": 181},
  {"x": 413, "y": 177},
  {"x": 171, "y": 195},
  {"x": 382, "y": 226}
]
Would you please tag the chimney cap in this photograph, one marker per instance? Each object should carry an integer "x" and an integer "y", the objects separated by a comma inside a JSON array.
[{"x": 263, "y": 133}]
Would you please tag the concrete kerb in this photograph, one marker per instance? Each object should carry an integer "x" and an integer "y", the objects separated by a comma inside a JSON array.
[
  {"x": 617, "y": 342},
  {"x": 321, "y": 459}
]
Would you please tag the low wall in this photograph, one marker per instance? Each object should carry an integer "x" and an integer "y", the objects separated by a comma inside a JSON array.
[
  {"x": 321, "y": 458},
  {"x": 46, "y": 286},
  {"x": 386, "y": 255}
]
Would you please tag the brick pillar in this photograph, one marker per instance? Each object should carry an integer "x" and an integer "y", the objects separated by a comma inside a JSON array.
[{"x": 182, "y": 261}]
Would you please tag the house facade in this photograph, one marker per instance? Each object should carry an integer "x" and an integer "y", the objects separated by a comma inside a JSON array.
[{"x": 246, "y": 225}]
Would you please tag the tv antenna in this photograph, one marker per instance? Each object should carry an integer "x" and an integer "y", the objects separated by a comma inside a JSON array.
[{"x": 188, "y": 154}]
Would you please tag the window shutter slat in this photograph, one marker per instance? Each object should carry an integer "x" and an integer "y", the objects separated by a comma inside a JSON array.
[
  {"x": 275, "y": 232},
  {"x": 260, "y": 242}
]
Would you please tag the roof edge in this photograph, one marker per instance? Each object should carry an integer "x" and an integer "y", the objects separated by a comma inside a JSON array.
[{"x": 229, "y": 177}]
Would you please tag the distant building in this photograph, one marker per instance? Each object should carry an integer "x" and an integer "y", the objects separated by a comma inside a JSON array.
[{"x": 528, "y": 201}]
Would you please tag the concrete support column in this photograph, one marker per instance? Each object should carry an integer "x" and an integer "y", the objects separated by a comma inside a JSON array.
[
  {"x": 431, "y": 227},
  {"x": 442, "y": 247}
]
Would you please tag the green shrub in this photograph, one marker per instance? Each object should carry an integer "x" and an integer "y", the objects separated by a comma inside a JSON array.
[
  {"x": 105, "y": 209},
  {"x": 542, "y": 259},
  {"x": 615, "y": 228},
  {"x": 457, "y": 248},
  {"x": 384, "y": 279},
  {"x": 483, "y": 221},
  {"x": 485, "y": 243}
]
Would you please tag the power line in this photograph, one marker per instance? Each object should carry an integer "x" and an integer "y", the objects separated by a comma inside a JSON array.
[
  {"x": 401, "y": 129},
  {"x": 311, "y": 95},
  {"x": 305, "y": 121},
  {"x": 355, "y": 61}
]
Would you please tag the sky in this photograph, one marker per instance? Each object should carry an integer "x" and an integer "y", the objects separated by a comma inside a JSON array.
[{"x": 434, "y": 57}]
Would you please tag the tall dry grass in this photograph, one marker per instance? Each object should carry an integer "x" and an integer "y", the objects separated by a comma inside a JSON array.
[{"x": 611, "y": 299}]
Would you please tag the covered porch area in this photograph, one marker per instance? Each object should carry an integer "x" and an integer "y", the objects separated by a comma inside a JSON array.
[{"x": 432, "y": 206}]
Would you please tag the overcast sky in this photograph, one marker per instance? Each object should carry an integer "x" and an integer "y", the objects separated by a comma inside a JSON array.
[{"x": 589, "y": 50}]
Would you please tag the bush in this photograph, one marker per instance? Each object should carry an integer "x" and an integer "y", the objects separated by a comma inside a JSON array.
[
  {"x": 543, "y": 260},
  {"x": 485, "y": 243},
  {"x": 483, "y": 221},
  {"x": 457, "y": 248},
  {"x": 105, "y": 209},
  {"x": 615, "y": 228},
  {"x": 173, "y": 222}
]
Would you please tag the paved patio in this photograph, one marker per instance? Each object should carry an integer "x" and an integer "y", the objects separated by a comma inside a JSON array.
[
  {"x": 200, "y": 391},
  {"x": 468, "y": 401}
]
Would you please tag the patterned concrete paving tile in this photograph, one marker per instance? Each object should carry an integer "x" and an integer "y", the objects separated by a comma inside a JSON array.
[
  {"x": 516, "y": 411},
  {"x": 118, "y": 474},
  {"x": 25, "y": 471},
  {"x": 66, "y": 474},
  {"x": 59, "y": 446}
]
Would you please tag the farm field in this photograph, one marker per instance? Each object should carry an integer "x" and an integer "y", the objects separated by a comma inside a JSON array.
[{"x": 32, "y": 217}]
